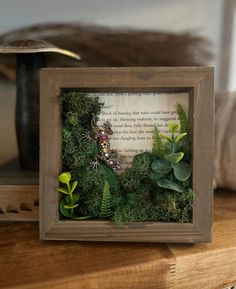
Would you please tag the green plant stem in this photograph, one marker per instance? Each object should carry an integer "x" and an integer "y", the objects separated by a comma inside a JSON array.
[
  {"x": 71, "y": 198},
  {"x": 173, "y": 148},
  {"x": 68, "y": 186},
  {"x": 72, "y": 210},
  {"x": 173, "y": 137}
]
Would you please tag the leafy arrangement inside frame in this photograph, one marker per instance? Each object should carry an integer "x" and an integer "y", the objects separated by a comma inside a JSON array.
[{"x": 157, "y": 187}]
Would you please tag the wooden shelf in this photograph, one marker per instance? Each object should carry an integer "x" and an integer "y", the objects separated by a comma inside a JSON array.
[
  {"x": 18, "y": 193},
  {"x": 27, "y": 262},
  {"x": 12, "y": 174},
  {"x": 19, "y": 203}
]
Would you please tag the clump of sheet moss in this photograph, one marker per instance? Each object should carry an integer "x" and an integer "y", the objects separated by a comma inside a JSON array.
[
  {"x": 141, "y": 164},
  {"x": 79, "y": 117},
  {"x": 79, "y": 112},
  {"x": 145, "y": 200},
  {"x": 134, "y": 207},
  {"x": 147, "y": 191},
  {"x": 131, "y": 178}
]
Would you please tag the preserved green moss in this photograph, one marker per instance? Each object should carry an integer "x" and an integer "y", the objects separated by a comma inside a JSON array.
[{"x": 141, "y": 164}]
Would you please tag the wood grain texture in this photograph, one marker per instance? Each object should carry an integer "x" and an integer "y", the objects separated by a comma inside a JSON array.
[
  {"x": 40, "y": 264},
  {"x": 224, "y": 205},
  {"x": 210, "y": 266},
  {"x": 198, "y": 81},
  {"x": 19, "y": 202},
  {"x": 27, "y": 262},
  {"x": 217, "y": 265}
]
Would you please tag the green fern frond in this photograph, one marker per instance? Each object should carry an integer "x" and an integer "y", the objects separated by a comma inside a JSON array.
[
  {"x": 184, "y": 128},
  {"x": 184, "y": 123},
  {"x": 106, "y": 202},
  {"x": 157, "y": 145}
]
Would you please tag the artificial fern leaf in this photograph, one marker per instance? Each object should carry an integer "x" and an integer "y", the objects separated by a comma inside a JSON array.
[
  {"x": 184, "y": 123},
  {"x": 106, "y": 202},
  {"x": 157, "y": 146},
  {"x": 184, "y": 129}
]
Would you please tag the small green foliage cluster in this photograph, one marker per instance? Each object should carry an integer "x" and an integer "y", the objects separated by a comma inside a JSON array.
[
  {"x": 157, "y": 187},
  {"x": 170, "y": 171},
  {"x": 71, "y": 199}
]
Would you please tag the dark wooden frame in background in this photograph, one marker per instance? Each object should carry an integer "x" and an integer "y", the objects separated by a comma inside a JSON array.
[{"x": 198, "y": 81}]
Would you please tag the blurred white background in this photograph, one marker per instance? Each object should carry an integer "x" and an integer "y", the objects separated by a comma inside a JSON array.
[
  {"x": 201, "y": 16},
  {"x": 211, "y": 18}
]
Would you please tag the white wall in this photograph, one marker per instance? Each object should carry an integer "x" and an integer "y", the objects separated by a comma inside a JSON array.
[
  {"x": 174, "y": 15},
  {"x": 231, "y": 81},
  {"x": 201, "y": 16}
]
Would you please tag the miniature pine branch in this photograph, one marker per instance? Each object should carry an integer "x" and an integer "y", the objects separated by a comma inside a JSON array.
[
  {"x": 157, "y": 146},
  {"x": 106, "y": 202}
]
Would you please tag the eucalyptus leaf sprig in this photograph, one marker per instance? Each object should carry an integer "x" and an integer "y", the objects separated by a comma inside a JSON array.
[
  {"x": 170, "y": 169},
  {"x": 173, "y": 143},
  {"x": 70, "y": 201}
]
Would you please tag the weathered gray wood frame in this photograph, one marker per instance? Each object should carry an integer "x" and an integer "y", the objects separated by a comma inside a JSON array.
[{"x": 198, "y": 81}]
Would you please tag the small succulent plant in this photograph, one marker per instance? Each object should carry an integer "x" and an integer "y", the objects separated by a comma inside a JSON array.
[
  {"x": 170, "y": 169},
  {"x": 71, "y": 199}
]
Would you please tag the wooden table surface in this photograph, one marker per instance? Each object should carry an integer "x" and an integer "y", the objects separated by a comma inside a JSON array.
[{"x": 27, "y": 262}]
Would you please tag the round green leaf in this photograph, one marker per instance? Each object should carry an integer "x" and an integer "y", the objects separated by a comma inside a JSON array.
[
  {"x": 65, "y": 177},
  {"x": 174, "y": 158},
  {"x": 173, "y": 127},
  {"x": 168, "y": 184},
  {"x": 168, "y": 147},
  {"x": 162, "y": 167},
  {"x": 68, "y": 200},
  {"x": 65, "y": 212},
  {"x": 182, "y": 171},
  {"x": 171, "y": 147},
  {"x": 75, "y": 198}
]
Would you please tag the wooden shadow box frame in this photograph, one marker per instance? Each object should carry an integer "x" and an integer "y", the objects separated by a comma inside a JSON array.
[{"x": 198, "y": 81}]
